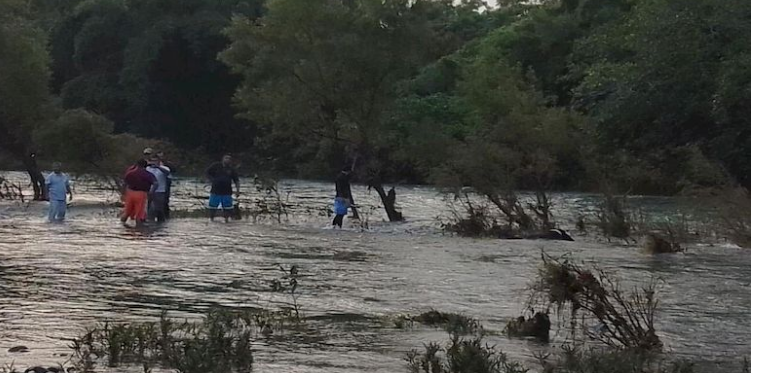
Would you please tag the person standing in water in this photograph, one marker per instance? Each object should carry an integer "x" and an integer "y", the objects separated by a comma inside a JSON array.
[
  {"x": 139, "y": 184},
  {"x": 169, "y": 182},
  {"x": 157, "y": 199},
  {"x": 343, "y": 198},
  {"x": 58, "y": 186},
  {"x": 221, "y": 175}
]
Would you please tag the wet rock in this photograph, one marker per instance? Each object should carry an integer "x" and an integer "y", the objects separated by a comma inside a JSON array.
[
  {"x": 654, "y": 244},
  {"x": 552, "y": 234},
  {"x": 536, "y": 326},
  {"x": 36, "y": 370},
  {"x": 267, "y": 330},
  {"x": 18, "y": 349}
]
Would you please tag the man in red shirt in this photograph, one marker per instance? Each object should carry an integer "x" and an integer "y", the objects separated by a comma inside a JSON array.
[{"x": 139, "y": 183}]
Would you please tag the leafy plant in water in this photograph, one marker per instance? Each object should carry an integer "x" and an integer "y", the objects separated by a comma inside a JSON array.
[
  {"x": 288, "y": 284},
  {"x": 625, "y": 320},
  {"x": 271, "y": 203},
  {"x": 613, "y": 218},
  {"x": 461, "y": 356},
  {"x": 575, "y": 359},
  {"x": 221, "y": 343}
]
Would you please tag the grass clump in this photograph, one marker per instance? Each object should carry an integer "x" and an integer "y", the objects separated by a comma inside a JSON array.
[
  {"x": 220, "y": 343},
  {"x": 461, "y": 355},
  {"x": 577, "y": 360}
]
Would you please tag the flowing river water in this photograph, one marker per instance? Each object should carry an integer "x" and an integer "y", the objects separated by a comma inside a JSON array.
[{"x": 57, "y": 279}]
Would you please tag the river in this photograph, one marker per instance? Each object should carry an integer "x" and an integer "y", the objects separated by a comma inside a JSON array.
[{"x": 57, "y": 279}]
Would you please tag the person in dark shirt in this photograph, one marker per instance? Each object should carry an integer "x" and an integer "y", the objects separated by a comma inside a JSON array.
[
  {"x": 139, "y": 183},
  {"x": 221, "y": 175},
  {"x": 343, "y": 197}
]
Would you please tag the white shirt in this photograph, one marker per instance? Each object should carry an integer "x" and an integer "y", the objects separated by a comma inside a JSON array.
[{"x": 161, "y": 174}]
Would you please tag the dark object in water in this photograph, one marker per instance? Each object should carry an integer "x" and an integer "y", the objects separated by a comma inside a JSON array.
[
  {"x": 536, "y": 326},
  {"x": 18, "y": 349},
  {"x": 236, "y": 213},
  {"x": 655, "y": 244},
  {"x": 552, "y": 234}
]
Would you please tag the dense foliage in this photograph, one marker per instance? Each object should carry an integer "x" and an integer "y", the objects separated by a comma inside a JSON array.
[{"x": 644, "y": 95}]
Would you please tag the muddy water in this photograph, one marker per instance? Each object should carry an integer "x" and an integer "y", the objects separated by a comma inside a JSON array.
[{"x": 56, "y": 280}]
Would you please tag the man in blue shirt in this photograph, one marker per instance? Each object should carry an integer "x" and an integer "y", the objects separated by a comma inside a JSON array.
[{"x": 58, "y": 186}]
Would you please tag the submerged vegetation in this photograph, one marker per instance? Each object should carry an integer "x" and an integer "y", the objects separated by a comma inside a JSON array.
[{"x": 222, "y": 340}]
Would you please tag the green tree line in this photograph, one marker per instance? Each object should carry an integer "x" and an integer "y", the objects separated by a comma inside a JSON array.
[{"x": 648, "y": 96}]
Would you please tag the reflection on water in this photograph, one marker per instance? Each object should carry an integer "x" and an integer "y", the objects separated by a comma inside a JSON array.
[{"x": 57, "y": 279}]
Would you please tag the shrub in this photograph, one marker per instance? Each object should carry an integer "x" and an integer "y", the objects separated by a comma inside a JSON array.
[
  {"x": 461, "y": 356},
  {"x": 626, "y": 320}
]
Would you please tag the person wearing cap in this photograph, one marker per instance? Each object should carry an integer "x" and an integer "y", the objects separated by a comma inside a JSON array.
[
  {"x": 146, "y": 156},
  {"x": 157, "y": 200},
  {"x": 58, "y": 186}
]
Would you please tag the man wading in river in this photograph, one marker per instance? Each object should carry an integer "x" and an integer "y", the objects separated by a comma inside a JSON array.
[
  {"x": 156, "y": 208},
  {"x": 58, "y": 185},
  {"x": 343, "y": 198},
  {"x": 221, "y": 175}
]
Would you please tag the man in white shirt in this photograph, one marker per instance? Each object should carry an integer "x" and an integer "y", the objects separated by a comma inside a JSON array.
[
  {"x": 157, "y": 200},
  {"x": 58, "y": 185}
]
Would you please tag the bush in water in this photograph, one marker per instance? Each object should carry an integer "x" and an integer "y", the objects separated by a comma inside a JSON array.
[
  {"x": 461, "y": 356},
  {"x": 220, "y": 343},
  {"x": 625, "y": 320}
]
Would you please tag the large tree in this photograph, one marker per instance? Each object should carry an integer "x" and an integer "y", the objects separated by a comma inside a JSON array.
[
  {"x": 668, "y": 85},
  {"x": 322, "y": 73},
  {"x": 24, "y": 96},
  {"x": 151, "y": 67}
]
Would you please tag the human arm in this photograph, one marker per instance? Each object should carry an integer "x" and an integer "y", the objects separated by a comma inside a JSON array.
[
  {"x": 68, "y": 190},
  {"x": 210, "y": 173},
  {"x": 235, "y": 178},
  {"x": 154, "y": 184}
]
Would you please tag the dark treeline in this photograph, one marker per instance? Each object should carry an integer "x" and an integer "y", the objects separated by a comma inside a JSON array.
[{"x": 647, "y": 96}]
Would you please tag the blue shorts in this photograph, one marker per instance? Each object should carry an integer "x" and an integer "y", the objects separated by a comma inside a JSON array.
[
  {"x": 341, "y": 205},
  {"x": 218, "y": 202}
]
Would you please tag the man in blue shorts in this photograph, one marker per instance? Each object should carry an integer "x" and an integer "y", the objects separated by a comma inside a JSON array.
[{"x": 221, "y": 175}]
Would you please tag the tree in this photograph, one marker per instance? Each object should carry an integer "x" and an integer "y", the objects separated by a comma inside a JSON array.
[
  {"x": 669, "y": 82},
  {"x": 513, "y": 139},
  {"x": 152, "y": 68},
  {"x": 324, "y": 73},
  {"x": 24, "y": 94}
]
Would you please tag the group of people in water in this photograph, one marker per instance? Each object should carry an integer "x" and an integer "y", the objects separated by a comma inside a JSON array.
[{"x": 147, "y": 190}]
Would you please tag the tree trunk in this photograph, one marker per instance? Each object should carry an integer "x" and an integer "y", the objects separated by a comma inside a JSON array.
[
  {"x": 355, "y": 214},
  {"x": 387, "y": 200},
  {"x": 35, "y": 176}
]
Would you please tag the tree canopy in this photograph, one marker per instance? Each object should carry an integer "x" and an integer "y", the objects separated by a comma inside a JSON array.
[{"x": 644, "y": 95}]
